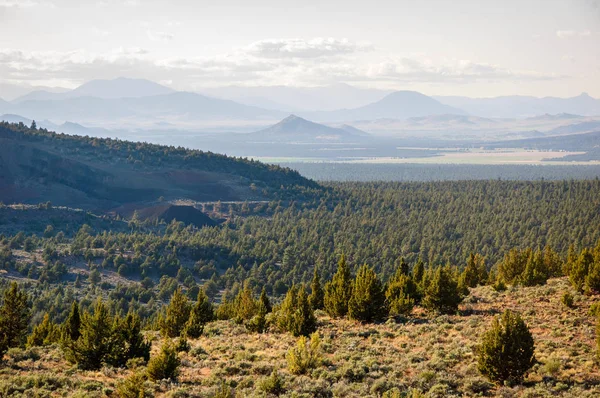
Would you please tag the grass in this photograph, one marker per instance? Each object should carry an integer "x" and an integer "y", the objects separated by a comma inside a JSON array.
[{"x": 434, "y": 355}]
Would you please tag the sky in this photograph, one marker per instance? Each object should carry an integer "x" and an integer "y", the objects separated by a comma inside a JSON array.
[{"x": 471, "y": 48}]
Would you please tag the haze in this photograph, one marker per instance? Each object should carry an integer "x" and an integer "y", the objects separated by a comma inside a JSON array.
[{"x": 467, "y": 48}]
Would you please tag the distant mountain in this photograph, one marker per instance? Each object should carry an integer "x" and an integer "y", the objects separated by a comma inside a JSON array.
[
  {"x": 397, "y": 105},
  {"x": 174, "y": 107},
  {"x": 294, "y": 128},
  {"x": 449, "y": 119},
  {"x": 10, "y": 91},
  {"x": 106, "y": 89},
  {"x": 296, "y": 99},
  {"x": 525, "y": 107}
]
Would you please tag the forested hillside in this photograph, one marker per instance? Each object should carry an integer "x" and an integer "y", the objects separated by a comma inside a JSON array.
[{"x": 95, "y": 173}]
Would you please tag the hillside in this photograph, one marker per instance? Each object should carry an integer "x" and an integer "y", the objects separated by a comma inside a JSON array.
[
  {"x": 294, "y": 128},
  {"x": 434, "y": 355},
  {"x": 39, "y": 166}
]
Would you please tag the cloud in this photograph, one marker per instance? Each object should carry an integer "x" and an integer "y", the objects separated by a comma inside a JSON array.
[
  {"x": 269, "y": 62},
  {"x": 298, "y": 48},
  {"x": 160, "y": 36},
  {"x": 568, "y": 34},
  {"x": 24, "y": 3}
]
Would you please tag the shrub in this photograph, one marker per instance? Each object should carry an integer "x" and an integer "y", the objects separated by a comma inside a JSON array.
[
  {"x": 567, "y": 299},
  {"x": 305, "y": 356},
  {"x": 507, "y": 349},
  {"x": 133, "y": 387},
  {"x": 272, "y": 384},
  {"x": 165, "y": 365}
]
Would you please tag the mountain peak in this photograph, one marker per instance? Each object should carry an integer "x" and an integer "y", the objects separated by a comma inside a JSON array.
[{"x": 294, "y": 127}]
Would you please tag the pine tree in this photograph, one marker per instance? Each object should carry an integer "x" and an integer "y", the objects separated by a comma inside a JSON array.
[
  {"x": 177, "y": 315},
  {"x": 72, "y": 324},
  {"x": 14, "y": 318},
  {"x": 265, "y": 302},
  {"x": 402, "y": 267},
  {"x": 296, "y": 315},
  {"x": 245, "y": 304},
  {"x": 45, "y": 333},
  {"x": 441, "y": 292},
  {"x": 418, "y": 271},
  {"x": 95, "y": 346},
  {"x": 475, "y": 272},
  {"x": 367, "y": 302},
  {"x": 580, "y": 269},
  {"x": 316, "y": 295},
  {"x": 132, "y": 342},
  {"x": 507, "y": 349},
  {"x": 165, "y": 365},
  {"x": 401, "y": 295},
  {"x": 305, "y": 356},
  {"x": 338, "y": 291}
]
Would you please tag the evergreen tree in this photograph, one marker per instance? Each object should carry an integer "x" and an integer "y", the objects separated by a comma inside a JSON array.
[
  {"x": 202, "y": 313},
  {"x": 264, "y": 301},
  {"x": 475, "y": 272},
  {"x": 132, "y": 342},
  {"x": 507, "y": 349},
  {"x": 95, "y": 346},
  {"x": 72, "y": 324},
  {"x": 165, "y": 365},
  {"x": 245, "y": 304},
  {"x": 296, "y": 315},
  {"x": 338, "y": 291},
  {"x": 402, "y": 267},
  {"x": 14, "y": 318},
  {"x": 401, "y": 295},
  {"x": 367, "y": 302},
  {"x": 177, "y": 315},
  {"x": 316, "y": 295},
  {"x": 580, "y": 269},
  {"x": 441, "y": 292},
  {"x": 45, "y": 333}
]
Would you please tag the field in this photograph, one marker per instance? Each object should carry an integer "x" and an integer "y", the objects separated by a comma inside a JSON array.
[{"x": 434, "y": 355}]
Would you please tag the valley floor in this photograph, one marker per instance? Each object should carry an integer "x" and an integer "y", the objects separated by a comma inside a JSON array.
[{"x": 436, "y": 355}]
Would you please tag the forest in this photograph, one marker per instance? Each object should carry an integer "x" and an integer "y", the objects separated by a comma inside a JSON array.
[{"x": 145, "y": 308}]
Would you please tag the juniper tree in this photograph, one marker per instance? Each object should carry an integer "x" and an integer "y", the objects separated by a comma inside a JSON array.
[
  {"x": 441, "y": 292},
  {"x": 70, "y": 328},
  {"x": 96, "y": 343},
  {"x": 475, "y": 272},
  {"x": 296, "y": 315},
  {"x": 401, "y": 295},
  {"x": 507, "y": 349},
  {"x": 14, "y": 318},
  {"x": 265, "y": 302},
  {"x": 316, "y": 295},
  {"x": 45, "y": 333},
  {"x": 338, "y": 290},
  {"x": 367, "y": 302},
  {"x": 177, "y": 315},
  {"x": 134, "y": 345}
]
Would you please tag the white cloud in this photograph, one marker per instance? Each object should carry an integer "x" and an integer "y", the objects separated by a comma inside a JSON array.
[
  {"x": 567, "y": 34},
  {"x": 298, "y": 48},
  {"x": 24, "y": 3},
  {"x": 160, "y": 36},
  {"x": 270, "y": 62}
]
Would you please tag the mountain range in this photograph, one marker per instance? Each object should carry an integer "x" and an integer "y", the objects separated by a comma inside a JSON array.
[{"x": 138, "y": 103}]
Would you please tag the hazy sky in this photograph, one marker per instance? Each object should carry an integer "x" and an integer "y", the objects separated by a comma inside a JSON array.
[{"x": 458, "y": 47}]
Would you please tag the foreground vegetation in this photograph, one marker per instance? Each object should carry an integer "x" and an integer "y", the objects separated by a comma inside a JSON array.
[{"x": 433, "y": 355}]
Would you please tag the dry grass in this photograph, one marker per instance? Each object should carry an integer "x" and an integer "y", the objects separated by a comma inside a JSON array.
[{"x": 435, "y": 355}]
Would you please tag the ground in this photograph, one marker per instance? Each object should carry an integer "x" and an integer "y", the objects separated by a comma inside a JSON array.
[{"x": 434, "y": 354}]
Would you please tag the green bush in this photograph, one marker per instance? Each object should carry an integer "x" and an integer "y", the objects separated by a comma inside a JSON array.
[
  {"x": 567, "y": 300},
  {"x": 165, "y": 365},
  {"x": 507, "y": 349},
  {"x": 305, "y": 356},
  {"x": 272, "y": 385}
]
